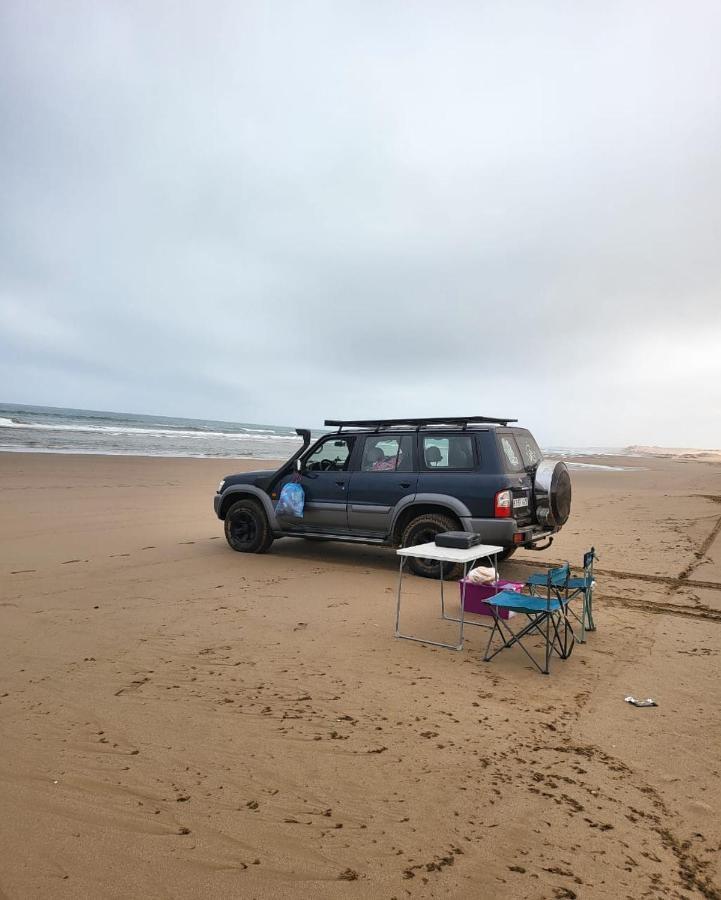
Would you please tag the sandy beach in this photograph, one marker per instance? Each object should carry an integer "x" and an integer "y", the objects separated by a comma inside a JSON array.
[{"x": 178, "y": 720}]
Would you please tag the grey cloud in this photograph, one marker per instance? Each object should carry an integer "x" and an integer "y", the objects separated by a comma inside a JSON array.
[{"x": 287, "y": 212}]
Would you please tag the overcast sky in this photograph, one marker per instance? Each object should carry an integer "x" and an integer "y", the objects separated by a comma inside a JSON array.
[{"x": 278, "y": 212}]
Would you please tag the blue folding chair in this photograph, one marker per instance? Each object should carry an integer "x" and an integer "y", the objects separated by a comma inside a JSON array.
[
  {"x": 545, "y": 616},
  {"x": 578, "y": 587}
]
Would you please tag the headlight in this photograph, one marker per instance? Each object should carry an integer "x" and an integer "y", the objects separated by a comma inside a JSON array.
[{"x": 221, "y": 486}]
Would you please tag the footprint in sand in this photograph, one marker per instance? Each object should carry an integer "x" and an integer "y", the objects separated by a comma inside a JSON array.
[
  {"x": 68, "y": 561},
  {"x": 22, "y": 571},
  {"x": 148, "y": 548}
]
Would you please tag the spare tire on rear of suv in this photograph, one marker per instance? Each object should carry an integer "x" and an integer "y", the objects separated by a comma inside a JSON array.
[{"x": 552, "y": 491}]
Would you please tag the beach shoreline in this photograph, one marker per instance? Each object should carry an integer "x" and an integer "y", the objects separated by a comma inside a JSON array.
[
  {"x": 45, "y": 429},
  {"x": 180, "y": 720}
]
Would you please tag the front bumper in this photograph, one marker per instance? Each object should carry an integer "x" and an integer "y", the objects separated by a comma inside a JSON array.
[
  {"x": 217, "y": 500},
  {"x": 507, "y": 532}
]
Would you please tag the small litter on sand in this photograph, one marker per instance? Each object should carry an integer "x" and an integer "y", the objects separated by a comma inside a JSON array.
[{"x": 634, "y": 702}]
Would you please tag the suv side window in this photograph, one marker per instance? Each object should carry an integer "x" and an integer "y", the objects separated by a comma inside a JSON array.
[
  {"x": 530, "y": 451},
  {"x": 332, "y": 455},
  {"x": 448, "y": 451},
  {"x": 387, "y": 453},
  {"x": 510, "y": 453}
]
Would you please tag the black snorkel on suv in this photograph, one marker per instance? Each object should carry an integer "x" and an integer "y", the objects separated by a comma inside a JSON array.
[{"x": 289, "y": 466}]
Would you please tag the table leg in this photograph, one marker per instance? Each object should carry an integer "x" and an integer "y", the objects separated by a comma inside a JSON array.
[
  {"x": 398, "y": 599},
  {"x": 463, "y": 607},
  {"x": 408, "y": 637},
  {"x": 461, "y": 619},
  {"x": 443, "y": 601}
]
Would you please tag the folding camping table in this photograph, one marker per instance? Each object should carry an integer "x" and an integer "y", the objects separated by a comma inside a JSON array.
[{"x": 445, "y": 555}]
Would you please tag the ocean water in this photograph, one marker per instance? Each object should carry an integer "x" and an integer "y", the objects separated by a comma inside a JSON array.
[
  {"x": 570, "y": 456},
  {"x": 49, "y": 429}
]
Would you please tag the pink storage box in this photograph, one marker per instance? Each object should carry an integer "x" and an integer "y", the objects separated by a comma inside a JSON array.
[{"x": 477, "y": 594}]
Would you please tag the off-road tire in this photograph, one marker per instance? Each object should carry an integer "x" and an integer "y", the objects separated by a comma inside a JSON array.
[
  {"x": 247, "y": 529},
  {"x": 422, "y": 530},
  {"x": 552, "y": 493}
]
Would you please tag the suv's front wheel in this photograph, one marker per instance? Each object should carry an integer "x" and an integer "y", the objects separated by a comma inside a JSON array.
[
  {"x": 423, "y": 530},
  {"x": 246, "y": 527}
]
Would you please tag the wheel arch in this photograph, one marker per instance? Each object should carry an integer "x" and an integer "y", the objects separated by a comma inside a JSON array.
[
  {"x": 427, "y": 504},
  {"x": 249, "y": 492}
]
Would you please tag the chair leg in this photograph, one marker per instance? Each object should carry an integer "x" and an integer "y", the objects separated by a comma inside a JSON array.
[
  {"x": 579, "y": 619},
  {"x": 556, "y": 639},
  {"x": 506, "y": 640},
  {"x": 584, "y": 613},
  {"x": 591, "y": 626},
  {"x": 509, "y": 638},
  {"x": 486, "y": 657},
  {"x": 565, "y": 639}
]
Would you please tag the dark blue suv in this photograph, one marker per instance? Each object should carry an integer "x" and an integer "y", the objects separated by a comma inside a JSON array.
[{"x": 399, "y": 482}]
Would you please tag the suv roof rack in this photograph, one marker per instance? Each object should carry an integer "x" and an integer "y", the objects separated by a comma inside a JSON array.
[{"x": 417, "y": 423}]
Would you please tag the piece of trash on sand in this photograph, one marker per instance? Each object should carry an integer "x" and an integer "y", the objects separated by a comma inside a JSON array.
[{"x": 634, "y": 702}]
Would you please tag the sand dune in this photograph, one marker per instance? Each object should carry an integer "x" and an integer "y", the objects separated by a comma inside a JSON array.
[{"x": 675, "y": 452}]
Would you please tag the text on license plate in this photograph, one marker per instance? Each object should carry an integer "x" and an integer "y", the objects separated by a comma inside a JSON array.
[{"x": 520, "y": 501}]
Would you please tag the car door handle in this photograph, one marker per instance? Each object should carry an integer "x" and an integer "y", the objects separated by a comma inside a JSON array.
[
  {"x": 405, "y": 484},
  {"x": 340, "y": 483}
]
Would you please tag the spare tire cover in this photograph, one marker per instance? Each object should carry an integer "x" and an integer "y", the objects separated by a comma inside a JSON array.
[{"x": 552, "y": 490}]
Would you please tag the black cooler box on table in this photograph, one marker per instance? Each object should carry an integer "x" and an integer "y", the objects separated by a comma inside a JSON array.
[{"x": 458, "y": 540}]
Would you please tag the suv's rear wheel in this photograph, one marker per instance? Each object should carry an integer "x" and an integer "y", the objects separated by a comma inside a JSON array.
[
  {"x": 246, "y": 527},
  {"x": 423, "y": 530}
]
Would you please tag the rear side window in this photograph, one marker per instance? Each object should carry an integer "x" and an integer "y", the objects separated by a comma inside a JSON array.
[
  {"x": 387, "y": 453},
  {"x": 511, "y": 453},
  {"x": 530, "y": 451},
  {"x": 448, "y": 451}
]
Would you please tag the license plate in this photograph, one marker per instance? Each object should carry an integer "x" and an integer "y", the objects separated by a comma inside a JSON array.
[{"x": 520, "y": 501}]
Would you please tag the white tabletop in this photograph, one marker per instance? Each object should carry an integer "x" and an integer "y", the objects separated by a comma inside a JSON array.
[{"x": 450, "y": 554}]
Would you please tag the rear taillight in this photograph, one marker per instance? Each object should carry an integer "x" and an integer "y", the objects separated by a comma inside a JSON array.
[{"x": 502, "y": 505}]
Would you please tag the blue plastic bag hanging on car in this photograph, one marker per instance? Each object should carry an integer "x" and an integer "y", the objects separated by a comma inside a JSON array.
[{"x": 291, "y": 501}]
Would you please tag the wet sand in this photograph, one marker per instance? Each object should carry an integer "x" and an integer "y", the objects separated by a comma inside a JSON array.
[{"x": 178, "y": 720}]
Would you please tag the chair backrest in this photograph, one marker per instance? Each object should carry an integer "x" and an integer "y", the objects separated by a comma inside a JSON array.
[{"x": 557, "y": 578}]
